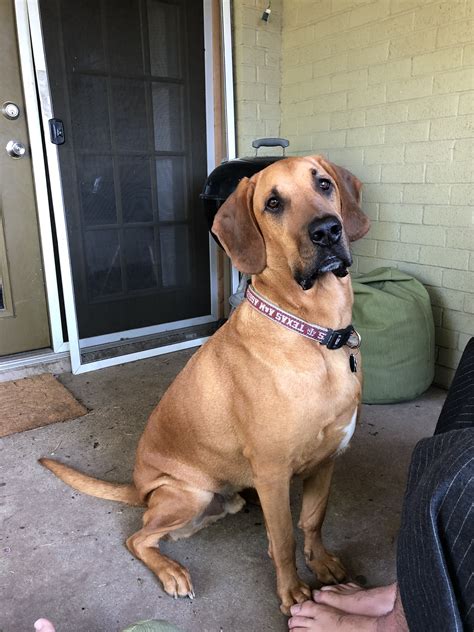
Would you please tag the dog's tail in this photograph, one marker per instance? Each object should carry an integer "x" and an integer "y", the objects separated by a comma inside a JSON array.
[{"x": 122, "y": 492}]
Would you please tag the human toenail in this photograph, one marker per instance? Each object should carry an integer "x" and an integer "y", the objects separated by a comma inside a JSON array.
[{"x": 295, "y": 609}]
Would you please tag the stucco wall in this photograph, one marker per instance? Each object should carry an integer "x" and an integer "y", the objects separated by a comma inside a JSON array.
[{"x": 386, "y": 88}]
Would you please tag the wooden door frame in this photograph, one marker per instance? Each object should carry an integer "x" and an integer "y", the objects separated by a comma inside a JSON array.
[{"x": 220, "y": 133}]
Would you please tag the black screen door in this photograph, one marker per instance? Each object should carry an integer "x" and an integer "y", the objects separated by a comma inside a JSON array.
[{"x": 127, "y": 80}]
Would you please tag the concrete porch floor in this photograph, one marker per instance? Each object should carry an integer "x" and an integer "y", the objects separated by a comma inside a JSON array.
[{"x": 62, "y": 553}]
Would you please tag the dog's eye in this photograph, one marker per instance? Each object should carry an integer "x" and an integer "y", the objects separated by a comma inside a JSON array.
[
  {"x": 273, "y": 204},
  {"x": 324, "y": 184}
]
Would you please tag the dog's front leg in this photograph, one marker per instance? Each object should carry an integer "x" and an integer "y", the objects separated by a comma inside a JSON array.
[
  {"x": 327, "y": 567},
  {"x": 274, "y": 494}
]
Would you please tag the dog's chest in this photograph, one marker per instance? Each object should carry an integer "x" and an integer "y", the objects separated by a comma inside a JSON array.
[
  {"x": 348, "y": 431},
  {"x": 327, "y": 433}
]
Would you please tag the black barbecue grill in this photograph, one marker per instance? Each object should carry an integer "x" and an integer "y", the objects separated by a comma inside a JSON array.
[{"x": 225, "y": 178}]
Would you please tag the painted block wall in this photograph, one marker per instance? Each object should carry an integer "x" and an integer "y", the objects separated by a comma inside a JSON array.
[
  {"x": 385, "y": 88},
  {"x": 257, "y": 72}
]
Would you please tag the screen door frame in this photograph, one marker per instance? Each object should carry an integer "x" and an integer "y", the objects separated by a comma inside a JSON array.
[{"x": 28, "y": 12}]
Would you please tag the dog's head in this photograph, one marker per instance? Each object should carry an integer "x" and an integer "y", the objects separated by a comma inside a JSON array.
[{"x": 300, "y": 213}]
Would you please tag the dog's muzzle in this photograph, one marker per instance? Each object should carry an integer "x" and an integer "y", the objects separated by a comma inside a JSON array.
[{"x": 332, "y": 254}]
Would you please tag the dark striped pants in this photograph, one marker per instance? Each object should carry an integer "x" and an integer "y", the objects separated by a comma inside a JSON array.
[{"x": 435, "y": 558}]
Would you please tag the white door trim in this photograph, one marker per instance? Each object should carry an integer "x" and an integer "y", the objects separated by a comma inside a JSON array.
[
  {"x": 226, "y": 13},
  {"x": 29, "y": 25},
  {"x": 226, "y": 17}
]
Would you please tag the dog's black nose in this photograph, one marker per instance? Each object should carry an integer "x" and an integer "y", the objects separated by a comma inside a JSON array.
[{"x": 325, "y": 231}]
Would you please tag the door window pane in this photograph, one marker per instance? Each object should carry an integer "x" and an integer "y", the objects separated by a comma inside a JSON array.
[
  {"x": 96, "y": 186},
  {"x": 85, "y": 49},
  {"x": 89, "y": 113},
  {"x": 175, "y": 255},
  {"x": 140, "y": 257},
  {"x": 135, "y": 189},
  {"x": 129, "y": 107},
  {"x": 163, "y": 32},
  {"x": 104, "y": 275},
  {"x": 171, "y": 189},
  {"x": 167, "y": 118},
  {"x": 124, "y": 37}
]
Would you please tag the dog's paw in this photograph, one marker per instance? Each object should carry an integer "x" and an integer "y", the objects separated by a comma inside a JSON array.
[
  {"x": 327, "y": 567},
  {"x": 296, "y": 593},
  {"x": 176, "y": 580}
]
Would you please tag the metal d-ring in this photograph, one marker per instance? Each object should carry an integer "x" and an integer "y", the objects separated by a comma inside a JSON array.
[{"x": 354, "y": 344}]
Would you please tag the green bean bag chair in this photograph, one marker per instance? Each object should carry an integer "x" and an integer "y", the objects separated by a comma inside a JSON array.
[
  {"x": 392, "y": 313},
  {"x": 152, "y": 626}
]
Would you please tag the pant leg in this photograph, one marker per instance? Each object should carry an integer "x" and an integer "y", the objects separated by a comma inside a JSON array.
[
  {"x": 435, "y": 558},
  {"x": 458, "y": 409}
]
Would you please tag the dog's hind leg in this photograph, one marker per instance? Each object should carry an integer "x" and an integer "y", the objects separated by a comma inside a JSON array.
[{"x": 169, "y": 509}]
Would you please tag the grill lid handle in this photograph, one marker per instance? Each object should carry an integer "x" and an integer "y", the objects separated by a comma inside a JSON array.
[{"x": 270, "y": 142}]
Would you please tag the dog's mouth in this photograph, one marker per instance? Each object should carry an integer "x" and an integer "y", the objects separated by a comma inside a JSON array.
[{"x": 336, "y": 264}]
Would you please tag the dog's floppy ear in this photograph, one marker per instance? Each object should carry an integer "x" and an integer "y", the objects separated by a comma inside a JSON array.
[
  {"x": 356, "y": 224},
  {"x": 236, "y": 228}
]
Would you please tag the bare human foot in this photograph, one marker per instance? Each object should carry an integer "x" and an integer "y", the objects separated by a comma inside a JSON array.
[
  {"x": 315, "y": 617},
  {"x": 318, "y": 617},
  {"x": 373, "y": 602}
]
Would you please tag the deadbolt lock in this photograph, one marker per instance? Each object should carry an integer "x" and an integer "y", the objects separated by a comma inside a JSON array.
[{"x": 10, "y": 110}]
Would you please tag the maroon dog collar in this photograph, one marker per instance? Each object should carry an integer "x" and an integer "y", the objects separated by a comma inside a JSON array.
[{"x": 331, "y": 338}]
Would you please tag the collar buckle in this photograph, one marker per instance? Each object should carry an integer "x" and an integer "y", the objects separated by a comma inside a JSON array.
[{"x": 339, "y": 337}]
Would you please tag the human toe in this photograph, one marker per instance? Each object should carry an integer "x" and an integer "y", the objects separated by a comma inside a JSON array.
[{"x": 43, "y": 625}]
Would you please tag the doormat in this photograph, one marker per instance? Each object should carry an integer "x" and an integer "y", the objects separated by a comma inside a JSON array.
[{"x": 34, "y": 402}]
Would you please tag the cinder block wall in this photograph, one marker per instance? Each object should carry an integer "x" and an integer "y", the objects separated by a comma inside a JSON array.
[
  {"x": 257, "y": 72},
  {"x": 386, "y": 88}
]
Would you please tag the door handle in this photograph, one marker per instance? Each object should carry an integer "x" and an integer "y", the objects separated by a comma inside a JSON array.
[{"x": 15, "y": 149}]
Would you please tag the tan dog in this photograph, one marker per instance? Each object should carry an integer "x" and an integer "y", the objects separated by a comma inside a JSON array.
[{"x": 258, "y": 404}]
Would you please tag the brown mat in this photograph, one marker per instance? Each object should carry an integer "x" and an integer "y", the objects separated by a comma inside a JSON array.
[{"x": 34, "y": 402}]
